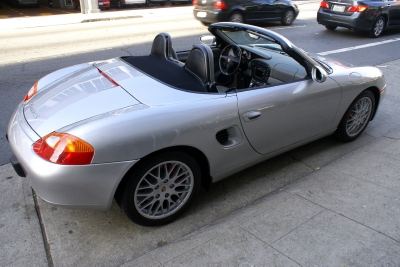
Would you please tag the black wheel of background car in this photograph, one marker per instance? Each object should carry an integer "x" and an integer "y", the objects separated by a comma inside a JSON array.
[
  {"x": 161, "y": 188},
  {"x": 357, "y": 117},
  {"x": 236, "y": 17},
  {"x": 229, "y": 60},
  {"x": 288, "y": 17},
  {"x": 205, "y": 23},
  {"x": 162, "y": 3},
  {"x": 330, "y": 27},
  {"x": 378, "y": 27}
]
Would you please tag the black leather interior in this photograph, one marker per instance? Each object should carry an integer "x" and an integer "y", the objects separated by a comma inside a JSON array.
[
  {"x": 200, "y": 62},
  {"x": 162, "y": 47}
]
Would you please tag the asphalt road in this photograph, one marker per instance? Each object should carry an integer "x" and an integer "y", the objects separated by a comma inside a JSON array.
[{"x": 29, "y": 54}]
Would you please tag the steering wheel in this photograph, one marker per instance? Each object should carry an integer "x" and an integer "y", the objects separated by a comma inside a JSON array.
[{"x": 229, "y": 61}]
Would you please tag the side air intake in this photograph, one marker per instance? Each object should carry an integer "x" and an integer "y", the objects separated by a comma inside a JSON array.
[{"x": 222, "y": 137}]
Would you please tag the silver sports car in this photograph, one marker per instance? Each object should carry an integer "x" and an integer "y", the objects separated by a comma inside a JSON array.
[{"x": 150, "y": 130}]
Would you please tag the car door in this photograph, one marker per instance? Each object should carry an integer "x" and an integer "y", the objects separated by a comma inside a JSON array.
[
  {"x": 279, "y": 116},
  {"x": 394, "y": 12}
]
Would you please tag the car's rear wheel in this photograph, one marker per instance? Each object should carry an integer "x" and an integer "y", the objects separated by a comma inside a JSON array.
[
  {"x": 236, "y": 17},
  {"x": 161, "y": 188},
  {"x": 378, "y": 27},
  {"x": 357, "y": 117},
  {"x": 330, "y": 27},
  {"x": 288, "y": 17}
]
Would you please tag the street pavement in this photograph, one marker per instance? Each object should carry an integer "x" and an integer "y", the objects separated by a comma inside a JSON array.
[{"x": 324, "y": 204}]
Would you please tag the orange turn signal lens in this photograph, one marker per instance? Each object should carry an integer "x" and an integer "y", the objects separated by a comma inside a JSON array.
[
  {"x": 63, "y": 148},
  {"x": 31, "y": 92}
]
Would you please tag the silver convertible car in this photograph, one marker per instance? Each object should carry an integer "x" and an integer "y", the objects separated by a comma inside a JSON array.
[{"x": 150, "y": 130}]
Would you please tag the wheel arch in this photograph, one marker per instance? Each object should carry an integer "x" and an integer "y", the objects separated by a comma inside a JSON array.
[
  {"x": 377, "y": 96},
  {"x": 198, "y": 155}
]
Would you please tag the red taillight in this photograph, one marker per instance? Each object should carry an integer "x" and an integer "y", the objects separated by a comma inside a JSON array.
[
  {"x": 31, "y": 92},
  {"x": 357, "y": 8},
  {"x": 194, "y": 2},
  {"x": 220, "y": 4},
  {"x": 109, "y": 78},
  {"x": 62, "y": 148},
  {"x": 324, "y": 5}
]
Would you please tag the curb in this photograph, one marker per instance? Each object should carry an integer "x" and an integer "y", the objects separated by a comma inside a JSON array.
[{"x": 110, "y": 18}]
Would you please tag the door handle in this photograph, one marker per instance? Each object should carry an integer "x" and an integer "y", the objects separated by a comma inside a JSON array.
[{"x": 251, "y": 115}]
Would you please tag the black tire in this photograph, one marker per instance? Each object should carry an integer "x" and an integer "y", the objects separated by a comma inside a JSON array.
[
  {"x": 288, "y": 17},
  {"x": 357, "y": 117},
  {"x": 205, "y": 23},
  {"x": 378, "y": 27},
  {"x": 236, "y": 17},
  {"x": 173, "y": 195},
  {"x": 330, "y": 27},
  {"x": 162, "y": 3}
]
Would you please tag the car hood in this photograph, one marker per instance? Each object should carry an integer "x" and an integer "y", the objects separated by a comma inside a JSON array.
[{"x": 80, "y": 92}]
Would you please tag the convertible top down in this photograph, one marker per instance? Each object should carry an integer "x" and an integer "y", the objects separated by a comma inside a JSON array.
[{"x": 150, "y": 130}]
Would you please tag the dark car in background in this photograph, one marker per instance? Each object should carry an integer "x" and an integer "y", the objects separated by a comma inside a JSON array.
[
  {"x": 245, "y": 11},
  {"x": 369, "y": 16}
]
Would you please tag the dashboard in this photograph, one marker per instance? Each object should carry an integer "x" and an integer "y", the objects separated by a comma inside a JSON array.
[{"x": 268, "y": 67}]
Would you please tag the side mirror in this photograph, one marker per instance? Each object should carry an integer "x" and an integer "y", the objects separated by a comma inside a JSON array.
[
  {"x": 208, "y": 40},
  {"x": 318, "y": 74}
]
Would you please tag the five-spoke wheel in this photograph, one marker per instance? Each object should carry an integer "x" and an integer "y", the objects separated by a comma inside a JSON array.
[
  {"x": 378, "y": 27},
  {"x": 288, "y": 17}
]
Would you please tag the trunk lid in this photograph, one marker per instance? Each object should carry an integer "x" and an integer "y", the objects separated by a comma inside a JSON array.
[{"x": 82, "y": 95}]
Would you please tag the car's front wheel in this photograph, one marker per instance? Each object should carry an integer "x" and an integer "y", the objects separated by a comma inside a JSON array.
[
  {"x": 161, "y": 188},
  {"x": 357, "y": 117},
  {"x": 288, "y": 17},
  {"x": 378, "y": 27}
]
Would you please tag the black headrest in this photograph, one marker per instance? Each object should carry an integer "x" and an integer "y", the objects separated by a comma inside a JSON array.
[
  {"x": 200, "y": 61},
  {"x": 162, "y": 46}
]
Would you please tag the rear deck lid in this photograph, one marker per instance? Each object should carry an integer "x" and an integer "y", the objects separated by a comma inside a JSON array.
[{"x": 81, "y": 96}]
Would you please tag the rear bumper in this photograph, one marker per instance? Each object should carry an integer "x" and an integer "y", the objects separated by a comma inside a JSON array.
[
  {"x": 356, "y": 21},
  {"x": 212, "y": 16},
  {"x": 89, "y": 187}
]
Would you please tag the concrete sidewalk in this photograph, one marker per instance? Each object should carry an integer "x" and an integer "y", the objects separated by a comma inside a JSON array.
[{"x": 324, "y": 204}]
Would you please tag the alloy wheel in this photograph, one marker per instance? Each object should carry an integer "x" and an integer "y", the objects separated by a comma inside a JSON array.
[
  {"x": 288, "y": 18},
  {"x": 359, "y": 116},
  {"x": 163, "y": 190},
  {"x": 236, "y": 17}
]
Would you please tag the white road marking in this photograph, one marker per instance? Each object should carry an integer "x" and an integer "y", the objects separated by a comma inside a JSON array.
[
  {"x": 357, "y": 47},
  {"x": 287, "y": 27}
]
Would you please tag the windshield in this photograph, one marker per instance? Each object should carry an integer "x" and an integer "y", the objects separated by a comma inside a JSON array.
[{"x": 249, "y": 38}]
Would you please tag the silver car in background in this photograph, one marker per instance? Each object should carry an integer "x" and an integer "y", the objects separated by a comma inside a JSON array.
[{"x": 150, "y": 130}]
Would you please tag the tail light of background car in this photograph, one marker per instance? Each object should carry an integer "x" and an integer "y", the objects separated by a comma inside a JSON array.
[
  {"x": 357, "y": 8},
  {"x": 220, "y": 4},
  {"x": 324, "y": 5},
  {"x": 31, "y": 92},
  {"x": 63, "y": 148},
  {"x": 194, "y": 2}
]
